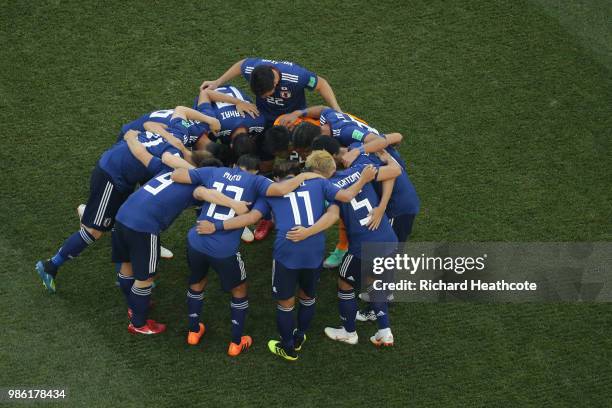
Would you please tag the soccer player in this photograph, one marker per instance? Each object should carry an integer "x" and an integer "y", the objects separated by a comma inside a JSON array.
[
  {"x": 348, "y": 129},
  {"x": 182, "y": 123},
  {"x": 220, "y": 250},
  {"x": 278, "y": 85},
  {"x": 241, "y": 124},
  {"x": 113, "y": 179},
  {"x": 235, "y": 112},
  {"x": 282, "y": 143},
  {"x": 356, "y": 217},
  {"x": 297, "y": 263},
  {"x": 135, "y": 238}
]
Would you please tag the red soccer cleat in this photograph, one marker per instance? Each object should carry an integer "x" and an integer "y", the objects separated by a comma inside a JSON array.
[
  {"x": 263, "y": 229},
  {"x": 151, "y": 327}
]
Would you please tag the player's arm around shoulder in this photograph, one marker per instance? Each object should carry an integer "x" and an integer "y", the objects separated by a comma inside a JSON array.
[
  {"x": 390, "y": 170},
  {"x": 136, "y": 148},
  {"x": 368, "y": 174},
  {"x": 285, "y": 187}
]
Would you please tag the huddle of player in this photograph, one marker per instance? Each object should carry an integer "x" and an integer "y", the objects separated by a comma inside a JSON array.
[{"x": 221, "y": 156}]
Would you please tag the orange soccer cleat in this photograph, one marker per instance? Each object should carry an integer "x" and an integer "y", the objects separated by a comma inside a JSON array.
[
  {"x": 193, "y": 338},
  {"x": 235, "y": 349}
]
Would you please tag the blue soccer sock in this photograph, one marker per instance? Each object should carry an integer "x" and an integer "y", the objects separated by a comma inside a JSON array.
[
  {"x": 305, "y": 315},
  {"x": 238, "y": 307},
  {"x": 285, "y": 324},
  {"x": 125, "y": 284},
  {"x": 348, "y": 308},
  {"x": 139, "y": 301},
  {"x": 73, "y": 246},
  {"x": 195, "y": 300},
  {"x": 382, "y": 314}
]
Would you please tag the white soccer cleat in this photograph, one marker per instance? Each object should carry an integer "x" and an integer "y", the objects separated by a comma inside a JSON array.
[
  {"x": 247, "y": 235},
  {"x": 165, "y": 253},
  {"x": 366, "y": 316},
  {"x": 81, "y": 210},
  {"x": 340, "y": 334},
  {"x": 382, "y": 338}
]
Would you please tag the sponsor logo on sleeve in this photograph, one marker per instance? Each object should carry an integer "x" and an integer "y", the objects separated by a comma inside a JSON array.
[{"x": 357, "y": 135}]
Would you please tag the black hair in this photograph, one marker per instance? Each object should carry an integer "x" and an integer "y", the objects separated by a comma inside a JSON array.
[
  {"x": 199, "y": 156},
  {"x": 210, "y": 162},
  {"x": 243, "y": 144},
  {"x": 277, "y": 139},
  {"x": 286, "y": 168},
  {"x": 328, "y": 143},
  {"x": 304, "y": 134},
  {"x": 262, "y": 79},
  {"x": 221, "y": 152},
  {"x": 248, "y": 162}
]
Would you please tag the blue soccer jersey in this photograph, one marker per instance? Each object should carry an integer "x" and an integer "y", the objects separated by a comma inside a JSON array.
[
  {"x": 237, "y": 184},
  {"x": 304, "y": 207},
  {"x": 187, "y": 131},
  {"x": 229, "y": 117},
  {"x": 404, "y": 199},
  {"x": 126, "y": 170},
  {"x": 346, "y": 128},
  {"x": 289, "y": 94},
  {"x": 154, "y": 207},
  {"x": 355, "y": 214}
]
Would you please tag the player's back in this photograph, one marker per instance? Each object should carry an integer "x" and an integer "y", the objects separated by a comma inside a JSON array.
[
  {"x": 160, "y": 116},
  {"x": 346, "y": 127},
  {"x": 237, "y": 184},
  {"x": 302, "y": 207},
  {"x": 125, "y": 169},
  {"x": 404, "y": 199},
  {"x": 154, "y": 206},
  {"x": 228, "y": 114},
  {"x": 355, "y": 214},
  {"x": 187, "y": 131}
]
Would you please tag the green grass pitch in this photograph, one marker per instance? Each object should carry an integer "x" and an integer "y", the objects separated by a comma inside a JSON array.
[{"x": 506, "y": 110}]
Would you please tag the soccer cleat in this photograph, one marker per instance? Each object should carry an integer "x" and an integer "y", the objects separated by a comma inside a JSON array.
[
  {"x": 81, "y": 210},
  {"x": 275, "y": 348},
  {"x": 263, "y": 229},
  {"x": 340, "y": 334},
  {"x": 150, "y": 327},
  {"x": 193, "y": 338},
  {"x": 235, "y": 349},
  {"x": 298, "y": 342},
  {"x": 366, "y": 315},
  {"x": 382, "y": 338},
  {"x": 334, "y": 259},
  {"x": 165, "y": 253},
  {"x": 247, "y": 235},
  {"x": 47, "y": 279}
]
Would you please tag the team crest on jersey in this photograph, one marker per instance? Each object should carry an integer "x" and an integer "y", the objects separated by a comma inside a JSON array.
[
  {"x": 285, "y": 93},
  {"x": 107, "y": 222}
]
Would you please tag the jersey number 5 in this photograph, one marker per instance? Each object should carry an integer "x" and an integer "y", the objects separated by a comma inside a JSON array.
[{"x": 360, "y": 204}]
